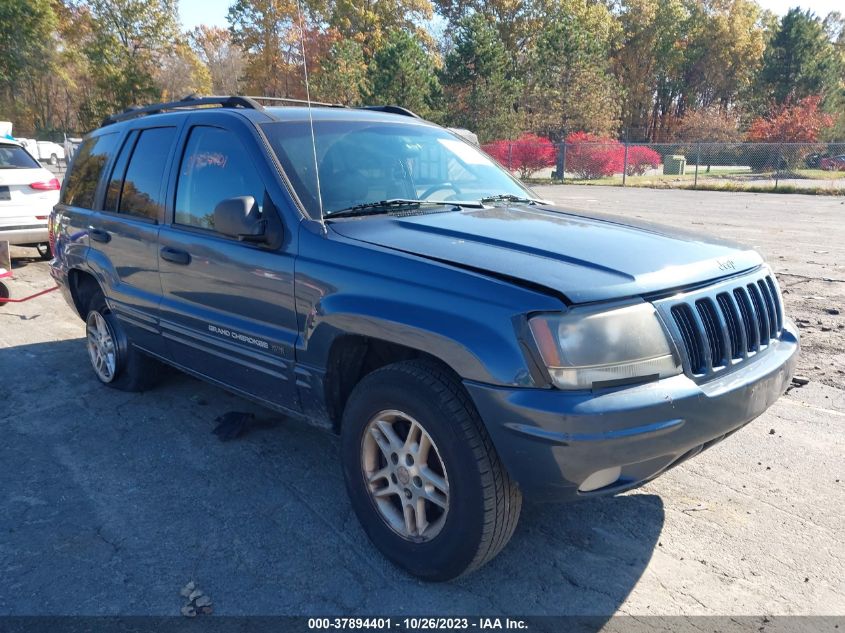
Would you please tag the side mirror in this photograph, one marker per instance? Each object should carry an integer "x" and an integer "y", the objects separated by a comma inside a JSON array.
[{"x": 239, "y": 217}]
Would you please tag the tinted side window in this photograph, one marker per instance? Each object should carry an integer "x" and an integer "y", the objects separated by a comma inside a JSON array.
[
  {"x": 116, "y": 182},
  {"x": 86, "y": 170},
  {"x": 215, "y": 166},
  {"x": 143, "y": 185}
]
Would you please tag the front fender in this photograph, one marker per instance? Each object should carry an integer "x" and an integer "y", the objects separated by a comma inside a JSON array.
[
  {"x": 471, "y": 322},
  {"x": 473, "y": 349}
]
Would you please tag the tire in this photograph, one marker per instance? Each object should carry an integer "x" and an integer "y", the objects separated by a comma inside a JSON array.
[
  {"x": 44, "y": 251},
  {"x": 482, "y": 504},
  {"x": 126, "y": 368}
]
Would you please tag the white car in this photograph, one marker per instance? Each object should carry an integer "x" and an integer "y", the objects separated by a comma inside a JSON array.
[
  {"x": 28, "y": 193},
  {"x": 47, "y": 151}
]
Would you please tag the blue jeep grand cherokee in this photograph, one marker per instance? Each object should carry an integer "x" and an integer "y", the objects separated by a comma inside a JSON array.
[{"x": 470, "y": 343}]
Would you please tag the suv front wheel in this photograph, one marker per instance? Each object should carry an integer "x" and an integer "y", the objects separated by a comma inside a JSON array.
[{"x": 422, "y": 473}]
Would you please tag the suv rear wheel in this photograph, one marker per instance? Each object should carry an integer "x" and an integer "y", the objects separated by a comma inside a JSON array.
[
  {"x": 116, "y": 362},
  {"x": 422, "y": 473}
]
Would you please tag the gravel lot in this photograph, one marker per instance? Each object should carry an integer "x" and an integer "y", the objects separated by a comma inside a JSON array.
[{"x": 111, "y": 502}]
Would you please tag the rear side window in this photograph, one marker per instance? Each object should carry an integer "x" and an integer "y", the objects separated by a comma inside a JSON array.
[
  {"x": 118, "y": 172},
  {"x": 138, "y": 188},
  {"x": 16, "y": 157},
  {"x": 215, "y": 166},
  {"x": 87, "y": 168}
]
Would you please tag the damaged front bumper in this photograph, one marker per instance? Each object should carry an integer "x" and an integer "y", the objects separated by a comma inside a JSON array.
[{"x": 557, "y": 444}]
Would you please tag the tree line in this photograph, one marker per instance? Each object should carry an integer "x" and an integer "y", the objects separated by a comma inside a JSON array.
[{"x": 657, "y": 70}]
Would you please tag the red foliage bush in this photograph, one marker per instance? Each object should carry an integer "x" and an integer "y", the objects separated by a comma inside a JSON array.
[
  {"x": 800, "y": 122},
  {"x": 640, "y": 159},
  {"x": 589, "y": 156},
  {"x": 499, "y": 150},
  {"x": 527, "y": 154}
]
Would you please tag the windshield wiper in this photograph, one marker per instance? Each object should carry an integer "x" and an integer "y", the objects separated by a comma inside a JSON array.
[
  {"x": 395, "y": 204},
  {"x": 509, "y": 197}
]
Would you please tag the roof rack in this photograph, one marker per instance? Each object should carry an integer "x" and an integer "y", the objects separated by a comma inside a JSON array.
[
  {"x": 297, "y": 101},
  {"x": 392, "y": 109},
  {"x": 191, "y": 101},
  {"x": 234, "y": 101}
]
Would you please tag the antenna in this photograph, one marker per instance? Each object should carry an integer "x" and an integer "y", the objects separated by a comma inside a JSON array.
[{"x": 310, "y": 117}]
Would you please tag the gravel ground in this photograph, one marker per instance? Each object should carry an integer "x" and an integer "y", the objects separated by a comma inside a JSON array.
[{"x": 111, "y": 502}]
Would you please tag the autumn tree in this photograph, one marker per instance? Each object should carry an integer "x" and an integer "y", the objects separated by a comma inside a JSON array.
[
  {"x": 224, "y": 60},
  {"x": 75, "y": 85},
  {"x": 478, "y": 91},
  {"x": 129, "y": 37},
  {"x": 369, "y": 23},
  {"x": 403, "y": 73},
  {"x": 571, "y": 86},
  {"x": 180, "y": 73},
  {"x": 26, "y": 58},
  {"x": 267, "y": 31},
  {"x": 26, "y": 29},
  {"x": 708, "y": 124},
  {"x": 515, "y": 20},
  {"x": 802, "y": 122},
  {"x": 648, "y": 62},
  {"x": 342, "y": 77},
  {"x": 723, "y": 53}
]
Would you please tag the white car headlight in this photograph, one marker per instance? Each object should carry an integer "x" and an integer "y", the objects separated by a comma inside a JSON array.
[{"x": 583, "y": 347}]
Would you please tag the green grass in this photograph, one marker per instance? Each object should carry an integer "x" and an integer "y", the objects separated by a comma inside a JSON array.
[
  {"x": 741, "y": 174},
  {"x": 741, "y": 186},
  {"x": 722, "y": 179},
  {"x": 704, "y": 186},
  {"x": 657, "y": 179},
  {"x": 817, "y": 174}
]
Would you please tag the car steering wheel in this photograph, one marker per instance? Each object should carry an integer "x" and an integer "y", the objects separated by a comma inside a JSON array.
[{"x": 443, "y": 185}]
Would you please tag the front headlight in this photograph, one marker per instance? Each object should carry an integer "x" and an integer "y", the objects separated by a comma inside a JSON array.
[{"x": 583, "y": 347}]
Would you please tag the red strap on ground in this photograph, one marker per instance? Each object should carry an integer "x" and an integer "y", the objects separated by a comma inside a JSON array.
[{"x": 21, "y": 300}]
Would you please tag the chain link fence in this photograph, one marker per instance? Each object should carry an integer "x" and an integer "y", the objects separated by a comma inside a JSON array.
[{"x": 810, "y": 167}]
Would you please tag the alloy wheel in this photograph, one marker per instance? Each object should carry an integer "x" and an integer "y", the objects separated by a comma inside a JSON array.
[
  {"x": 101, "y": 346},
  {"x": 405, "y": 475}
]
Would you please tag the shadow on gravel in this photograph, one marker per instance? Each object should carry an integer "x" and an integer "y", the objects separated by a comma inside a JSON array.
[
  {"x": 130, "y": 496},
  {"x": 22, "y": 262},
  {"x": 582, "y": 558}
]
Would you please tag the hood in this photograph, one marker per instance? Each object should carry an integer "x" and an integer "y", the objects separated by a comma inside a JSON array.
[{"x": 584, "y": 258}]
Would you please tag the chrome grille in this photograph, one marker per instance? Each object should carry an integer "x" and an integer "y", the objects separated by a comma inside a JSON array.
[{"x": 721, "y": 326}]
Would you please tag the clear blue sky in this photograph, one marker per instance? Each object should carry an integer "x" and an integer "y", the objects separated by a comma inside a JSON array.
[{"x": 213, "y": 12}]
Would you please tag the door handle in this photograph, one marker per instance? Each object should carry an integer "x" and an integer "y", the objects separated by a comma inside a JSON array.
[
  {"x": 176, "y": 256},
  {"x": 99, "y": 235}
]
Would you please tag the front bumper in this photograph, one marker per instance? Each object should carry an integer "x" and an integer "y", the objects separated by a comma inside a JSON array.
[{"x": 551, "y": 441}]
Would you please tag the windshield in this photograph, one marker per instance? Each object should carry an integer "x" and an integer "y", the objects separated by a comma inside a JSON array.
[
  {"x": 16, "y": 157},
  {"x": 362, "y": 162}
]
